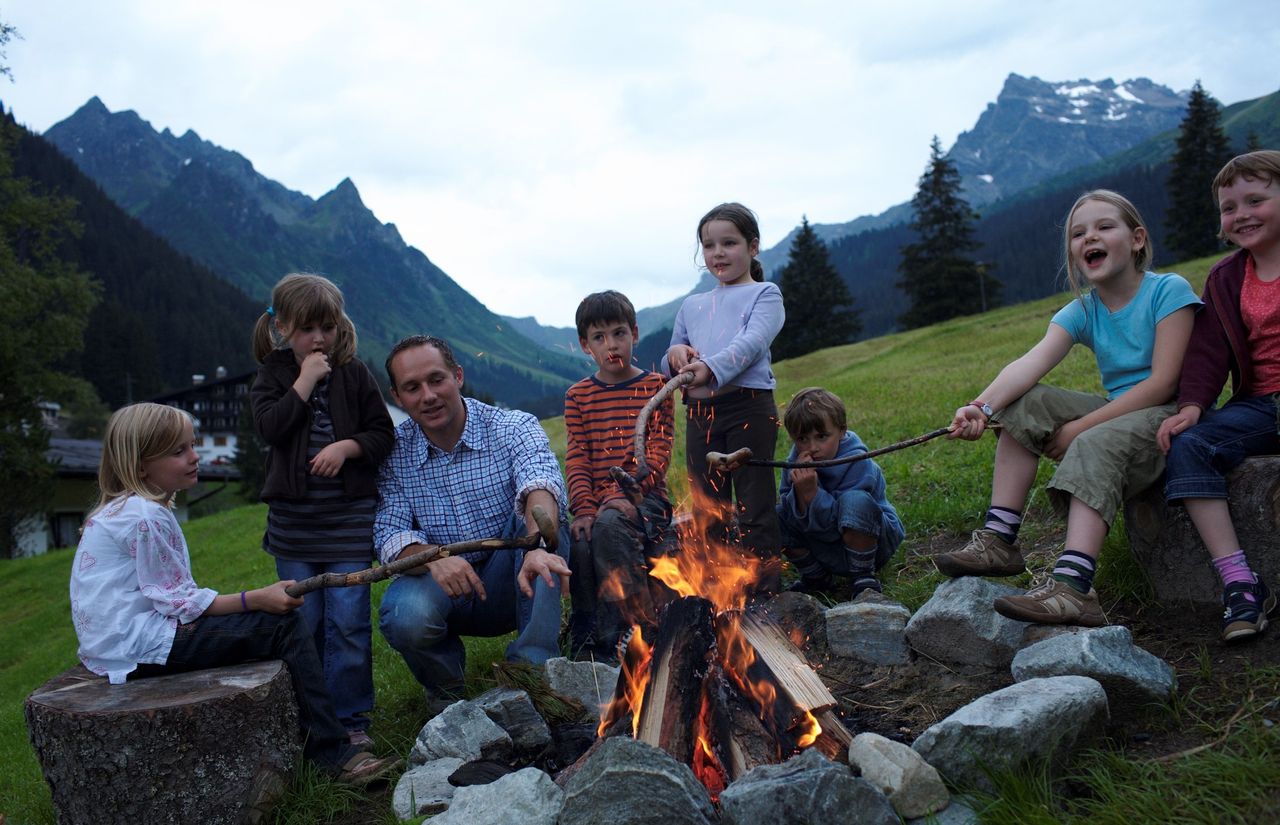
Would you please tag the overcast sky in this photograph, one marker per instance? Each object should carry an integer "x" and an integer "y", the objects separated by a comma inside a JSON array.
[{"x": 540, "y": 151}]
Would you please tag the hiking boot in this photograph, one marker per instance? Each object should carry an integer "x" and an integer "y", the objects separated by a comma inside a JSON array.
[
  {"x": 364, "y": 769},
  {"x": 986, "y": 554},
  {"x": 1053, "y": 602},
  {"x": 813, "y": 585},
  {"x": 1241, "y": 617}
]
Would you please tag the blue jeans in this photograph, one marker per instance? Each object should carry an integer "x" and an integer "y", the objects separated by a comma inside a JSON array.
[
  {"x": 426, "y": 626},
  {"x": 855, "y": 510},
  {"x": 339, "y": 620},
  {"x": 1200, "y": 458},
  {"x": 236, "y": 638}
]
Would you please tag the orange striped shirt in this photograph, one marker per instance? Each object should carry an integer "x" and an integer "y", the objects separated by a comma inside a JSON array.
[{"x": 600, "y": 428}]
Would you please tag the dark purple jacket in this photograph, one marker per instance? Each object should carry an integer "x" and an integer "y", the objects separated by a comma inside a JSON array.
[
  {"x": 1219, "y": 342},
  {"x": 284, "y": 422}
]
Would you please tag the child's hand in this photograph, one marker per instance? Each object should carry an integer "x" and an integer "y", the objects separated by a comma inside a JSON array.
[
  {"x": 315, "y": 367},
  {"x": 1062, "y": 438},
  {"x": 580, "y": 529},
  {"x": 804, "y": 479},
  {"x": 1181, "y": 421},
  {"x": 273, "y": 598},
  {"x": 701, "y": 373},
  {"x": 969, "y": 423},
  {"x": 328, "y": 462},
  {"x": 623, "y": 506},
  {"x": 679, "y": 355}
]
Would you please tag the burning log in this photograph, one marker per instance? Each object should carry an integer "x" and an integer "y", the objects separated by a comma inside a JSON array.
[
  {"x": 835, "y": 738},
  {"x": 787, "y": 664},
  {"x": 742, "y": 740},
  {"x": 680, "y": 663}
]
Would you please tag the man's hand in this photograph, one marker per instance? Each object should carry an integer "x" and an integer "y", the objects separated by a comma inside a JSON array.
[
  {"x": 580, "y": 529},
  {"x": 547, "y": 566},
  {"x": 1181, "y": 421},
  {"x": 623, "y": 506},
  {"x": 456, "y": 577}
]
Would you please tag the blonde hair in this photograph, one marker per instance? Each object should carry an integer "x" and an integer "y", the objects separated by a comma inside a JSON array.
[
  {"x": 1128, "y": 213},
  {"x": 299, "y": 299},
  {"x": 136, "y": 434}
]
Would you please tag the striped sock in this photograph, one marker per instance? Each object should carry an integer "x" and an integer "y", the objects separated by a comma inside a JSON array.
[
  {"x": 1004, "y": 521},
  {"x": 1235, "y": 568},
  {"x": 808, "y": 567},
  {"x": 1075, "y": 569},
  {"x": 861, "y": 562}
]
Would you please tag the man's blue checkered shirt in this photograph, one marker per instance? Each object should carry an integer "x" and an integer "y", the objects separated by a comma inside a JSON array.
[{"x": 429, "y": 496}]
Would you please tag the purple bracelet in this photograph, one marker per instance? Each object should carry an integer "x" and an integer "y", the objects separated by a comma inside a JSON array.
[{"x": 244, "y": 602}]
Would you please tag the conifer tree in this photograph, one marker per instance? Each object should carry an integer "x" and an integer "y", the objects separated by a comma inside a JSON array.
[
  {"x": 1192, "y": 218},
  {"x": 938, "y": 276},
  {"x": 819, "y": 308}
]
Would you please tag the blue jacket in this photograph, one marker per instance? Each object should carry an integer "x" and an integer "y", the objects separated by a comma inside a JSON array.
[{"x": 832, "y": 481}]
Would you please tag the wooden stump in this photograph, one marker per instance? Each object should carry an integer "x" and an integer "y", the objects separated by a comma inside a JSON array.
[
  {"x": 209, "y": 746},
  {"x": 1166, "y": 543}
]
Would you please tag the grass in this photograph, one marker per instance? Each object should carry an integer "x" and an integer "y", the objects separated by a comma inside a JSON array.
[{"x": 895, "y": 387}]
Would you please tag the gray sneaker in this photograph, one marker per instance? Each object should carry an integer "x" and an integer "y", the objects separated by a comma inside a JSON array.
[
  {"x": 1053, "y": 602},
  {"x": 986, "y": 554}
]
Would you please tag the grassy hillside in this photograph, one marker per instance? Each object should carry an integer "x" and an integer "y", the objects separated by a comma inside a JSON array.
[{"x": 895, "y": 387}]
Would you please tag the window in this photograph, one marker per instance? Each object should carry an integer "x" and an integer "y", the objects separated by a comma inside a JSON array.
[
  {"x": 219, "y": 441},
  {"x": 199, "y": 441}
]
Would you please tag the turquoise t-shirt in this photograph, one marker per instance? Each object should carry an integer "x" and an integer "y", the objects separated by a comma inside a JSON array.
[{"x": 1123, "y": 341}]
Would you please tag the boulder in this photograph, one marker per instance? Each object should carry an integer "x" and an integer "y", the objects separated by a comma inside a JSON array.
[
  {"x": 462, "y": 730},
  {"x": 958, "y": 812},
  {"x": 527, "y": 797},
  {"x": 512, "y": 710},
  {"x": 1168, "y": 546},
  {"x": 591, "y": 683},
  {"x": 913, "y": 785},
  {"x": 959, "y": 624},
  {"x": 629, "y": 781},
  {"x": 871, "y": 632},
  {"x": 803, "y": 618},
  {"x": 1131, "y": 676},
  {"x": 805, "y": 789},
  {"x": 425, "y": 790},
  {"x": 1032, "y": 721}
]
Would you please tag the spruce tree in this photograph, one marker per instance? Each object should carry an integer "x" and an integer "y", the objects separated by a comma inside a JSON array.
[
  {"x": 1192, "y": 218},
  {"x": 938, "y": 276},
  {"x": 820, "y": 310}
]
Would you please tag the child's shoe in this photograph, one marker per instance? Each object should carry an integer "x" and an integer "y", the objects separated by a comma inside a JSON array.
[
  {"x": 365, "y": 769},
  {"x": 986, "y": 554},
  {"x": 360, "y": 738},
  {"x": 863, "y": 583},
  {"x": 1053, "y": 602},
  {"x": 1242, "y": 618},
  {"x": 816, "y": 586}
]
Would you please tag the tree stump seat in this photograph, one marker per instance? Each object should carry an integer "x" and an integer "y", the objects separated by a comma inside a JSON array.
[
  {"x": 1166, "y": 543},
  {"x": 208, "y": 746}
]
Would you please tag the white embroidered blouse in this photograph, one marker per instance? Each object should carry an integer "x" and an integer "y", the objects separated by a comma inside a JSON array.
[{"x": 131, "y": 587}]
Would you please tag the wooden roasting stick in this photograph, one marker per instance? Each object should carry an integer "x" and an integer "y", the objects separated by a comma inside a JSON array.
[
  {"x": 739, "y": 458},
  {"x": 630, "y": 484},
  {"x": 547, "y": 534}
]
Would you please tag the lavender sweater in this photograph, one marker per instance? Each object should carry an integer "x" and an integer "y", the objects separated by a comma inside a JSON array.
[{"x": 731, "y": 327}]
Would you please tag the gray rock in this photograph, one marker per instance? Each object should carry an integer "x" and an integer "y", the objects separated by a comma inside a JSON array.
[
  {"x": 1039, "y": 632},
  {"x": 527, "y": 797},
  {"x": 958, "y": 812},
  {"x": 591, "y": 683},
  {"x": 912, "y": 784},
  {"x": 462, "y": 730},
  {"x": 629, "y": 781},
  {"x": 1131, "y": 676},
  {"x": 959, "y": 624},
  {"x": 804, "y": 789},
  {"x": 425, "y": 789},
  {"x": 803, "y": 619},
  {"x": 513, "y": 711},
  {"x": 1039, "y": 719},
  {"x": 871, "y": 632}
]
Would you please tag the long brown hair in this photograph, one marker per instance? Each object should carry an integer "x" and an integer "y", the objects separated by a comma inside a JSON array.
[{"x": 299, "y": 299}]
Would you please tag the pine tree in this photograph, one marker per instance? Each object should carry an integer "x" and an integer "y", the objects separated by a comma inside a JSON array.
[
  {"x": 938, "y": 276},
  {"x": 1192, "y": 218},
  {"x": 820, "y": 310}
]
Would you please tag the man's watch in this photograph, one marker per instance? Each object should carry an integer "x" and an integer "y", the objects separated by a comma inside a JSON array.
[{"x": 984, "y": 407}]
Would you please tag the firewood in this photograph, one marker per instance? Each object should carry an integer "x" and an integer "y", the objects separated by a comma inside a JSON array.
[
  {"x": 680, "y": 663},
  {"x": 790, "y": 670},
  {"x": 835, "y": 738},
  {"x": 742, "y": 740}
]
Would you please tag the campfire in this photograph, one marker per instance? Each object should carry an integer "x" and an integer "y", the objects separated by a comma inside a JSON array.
[{"x": 719, "y": 686}]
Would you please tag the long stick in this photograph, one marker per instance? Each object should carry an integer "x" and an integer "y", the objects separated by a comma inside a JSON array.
[
  {"x": 546, "y": 533},
  {"x": 630, "y": 484},
  {"x": 727, "y": 463}
]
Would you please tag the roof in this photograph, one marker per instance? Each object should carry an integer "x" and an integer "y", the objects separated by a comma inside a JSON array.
[{"x": 79, "y": 458}]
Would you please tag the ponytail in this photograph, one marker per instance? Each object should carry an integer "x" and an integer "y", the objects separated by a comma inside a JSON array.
[
  {"x": 757, "y": 271},
  {"x": 261, "y": 339}
]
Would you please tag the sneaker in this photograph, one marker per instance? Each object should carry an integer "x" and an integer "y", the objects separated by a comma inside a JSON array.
[
  {"x": 986, "y": 554},
  {"x": 1241, "y": 617},
  {"x": 813, "y": 585},
  {"x": 863, "y": 583},
  {"x": 360, "y": 738},
  {"x": 1053, "y": 602},
  {"x": 365, "y": 769}
]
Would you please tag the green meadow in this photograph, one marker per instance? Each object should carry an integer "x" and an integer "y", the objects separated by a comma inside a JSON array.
[{"x": 895, "y": 387}]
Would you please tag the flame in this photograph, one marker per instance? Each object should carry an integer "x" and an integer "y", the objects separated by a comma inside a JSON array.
[
  {"x": 634, "y": 679},
  {"x": 811, "y": 731}
]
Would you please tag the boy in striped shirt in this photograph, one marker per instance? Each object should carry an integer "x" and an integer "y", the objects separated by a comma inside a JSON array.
[{"x": 609, "y": 586}]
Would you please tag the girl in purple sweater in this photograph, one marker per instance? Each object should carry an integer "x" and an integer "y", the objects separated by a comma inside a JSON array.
[{"x": 722, "y": 337}]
